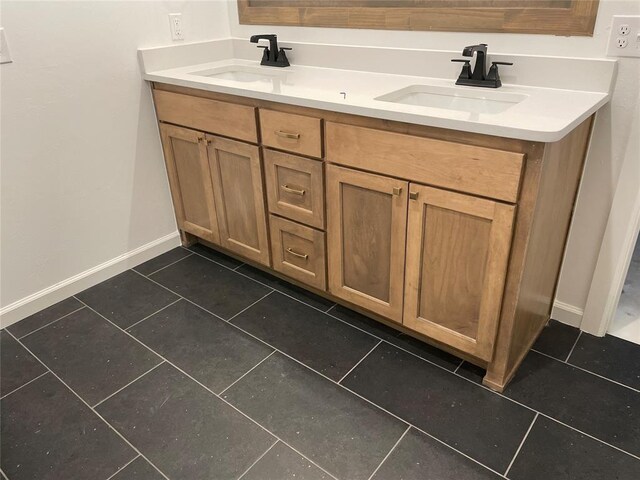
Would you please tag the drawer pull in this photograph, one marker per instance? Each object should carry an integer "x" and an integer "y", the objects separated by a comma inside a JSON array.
[
  {"x": 295, "y": 191},
  {"x": 296, "y": 254},
  {"x": 413, "y": 195},
  {"x": 397, "y": 190},
  {"x": 293, "y": 136}
]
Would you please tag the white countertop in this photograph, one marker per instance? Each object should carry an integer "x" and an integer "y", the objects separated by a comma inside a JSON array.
[{"x": 541, "y": 113}]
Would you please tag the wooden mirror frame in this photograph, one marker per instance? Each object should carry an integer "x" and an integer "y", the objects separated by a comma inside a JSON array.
[{"x": 578, "y": 18}]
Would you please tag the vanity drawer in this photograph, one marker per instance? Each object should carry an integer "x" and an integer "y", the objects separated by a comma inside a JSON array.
[
  {"x": 223, "y": 118},
  {"x": 295, "y": 187},
  {"x": 478, "y": 170},
  {"x": 298, "y": 251},
  {"x": 294, "y": 133}
]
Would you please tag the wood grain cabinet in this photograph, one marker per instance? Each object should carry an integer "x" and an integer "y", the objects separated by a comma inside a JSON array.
[
  {"x": 455, "y": 238},
  {"x": 457, "y": 252},
  {"x": 236, "y": 172},
  {"x": 185, "y": 154},
  {"x": 367, "y": 221}
]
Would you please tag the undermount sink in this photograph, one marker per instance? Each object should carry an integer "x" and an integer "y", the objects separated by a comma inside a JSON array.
[
  {"x": 454, "y": 98},
  {"x": 240, "y": 73}
]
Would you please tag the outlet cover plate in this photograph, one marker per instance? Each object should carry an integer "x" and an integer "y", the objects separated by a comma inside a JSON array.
[{"x": 631, "y": 23}]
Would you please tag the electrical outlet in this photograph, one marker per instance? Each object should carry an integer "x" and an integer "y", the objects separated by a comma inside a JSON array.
[
  {"x": 624, "y": 38},
  {"x": 175, "y": 22},
  {"x": 5, "y": 56}
]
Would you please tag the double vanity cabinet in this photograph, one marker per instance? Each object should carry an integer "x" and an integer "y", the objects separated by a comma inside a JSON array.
[{"x": 455, "y": 238}]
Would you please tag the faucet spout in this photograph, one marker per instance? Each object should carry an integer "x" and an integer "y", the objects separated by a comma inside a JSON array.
[{"x": 480, "y": 69}]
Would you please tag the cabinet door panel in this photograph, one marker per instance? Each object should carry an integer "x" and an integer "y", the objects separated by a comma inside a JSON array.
[
  {"x": 190, "y": 181},
  {"x": 457, "y": 253},
  {"x": 237, "y": 181},
  {"x": 366, "y": 234}
]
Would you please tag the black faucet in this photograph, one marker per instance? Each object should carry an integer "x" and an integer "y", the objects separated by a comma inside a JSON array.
[
  {"x": 272, "y": 56},
  {"x": 479, "y": 76}
]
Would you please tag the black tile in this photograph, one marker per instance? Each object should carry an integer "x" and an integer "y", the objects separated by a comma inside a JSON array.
[
  {"x": 139, "y": 469},
  {"x": 557, "y": 339},
  {"x": 90, "y": 355},
  {"x": 471, "y": 372},
  {"x": 316, "y": 339},
  {"x": 287, "y": 288},
  {"x": 214, "y": 255},
  {"x": 162, "y": 261},
  {"x": 283, "y": 463},
  {"x": 610, "y": 357},
  {"x": 483, "y": 425},
  {"x": 553, "y": 451},
  {"x": 342, "y": 433},
  {"x": 44, "y": 317},
  {"x": 183, "y": 429},
  {"x": 426, "y": 351},
  {"x": 367, "y": 324},
  {"x": 596, "y": 406},
  {"x": 17, "y": 366},
  {"x": 49, "y": 434},
  {"x": 420, "y": 457},
  {"x": 127, "y": 298},
  {"x": 211, "y": 286},
  {"x": 207, "y": 348}
]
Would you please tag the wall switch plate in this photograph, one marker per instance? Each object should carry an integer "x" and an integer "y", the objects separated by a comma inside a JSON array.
[
  {"x": 5, "y": 56},
  {"x": 175, "y": 22},
  {"x": 624, "y": 38}
]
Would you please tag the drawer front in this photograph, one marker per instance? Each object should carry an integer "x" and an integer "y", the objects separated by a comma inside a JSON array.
[
  {"x": 295, "y": 187},
  {"x": 294, "y": 133},
  {"x": 223, "y": 118},
  {"x": 298, "y": 251},
  {"x": 477, "y": 170}
]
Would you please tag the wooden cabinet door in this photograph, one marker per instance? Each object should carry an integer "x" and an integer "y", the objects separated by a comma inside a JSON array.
[
  {"x": 185, "y": 153},
  {"x": 457, "y": 253},
  {"x": 366, "y": 232},
  {"x": 237, "y": 185}
]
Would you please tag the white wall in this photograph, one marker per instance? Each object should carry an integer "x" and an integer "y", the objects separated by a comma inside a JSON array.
[
  {"x": 82, "y": 175},
  {"x": 610, "y": 146}
]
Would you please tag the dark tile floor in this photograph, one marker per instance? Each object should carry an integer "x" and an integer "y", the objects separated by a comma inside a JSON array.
[{"x": 195, "y": 366}]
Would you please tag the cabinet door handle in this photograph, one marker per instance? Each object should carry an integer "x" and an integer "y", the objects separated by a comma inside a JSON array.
[
  {"x": 397, "y": 190},
  {"x": 413, "y": 195},
  {"x": 296, "y": 254},
  {"x": 293, "y": 136},
  {"x": 295, "y": 191}
]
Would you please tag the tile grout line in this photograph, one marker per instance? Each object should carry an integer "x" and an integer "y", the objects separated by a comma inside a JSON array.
[
  {"x": 389, "y": 452},
  {"x": 408, "y": 352},
  {"x": 23, "y": 385},
  {"x": 586, "y": 371},
  {"x": 359, "y": 361},
  {"x": 574, "y": 346},
  {"x": 123, "y": 467},
  {"x": 249, "y": 306},
  {"x": 515, "y": 455},
  {"x": 154, "y": 313},
  {"x": 246, "y": 373},
  {"x": 203, "y": 386},
  {"x": 458, "y": 367},
  {"x": 52, "y": 322},
  {"x": 258, "y": 459},
  {"x": 166, "y": 266},
  {"x": 374, "y": 335},
  {"x": 89, "y": 406},
  {"x": 354, "y": 393},
  {"x": 132, "y": 381}
]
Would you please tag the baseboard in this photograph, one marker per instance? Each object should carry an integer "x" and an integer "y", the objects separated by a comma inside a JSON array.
[
  {"x": 33, "y": 303},
  {"x": 565, "y": 313}
]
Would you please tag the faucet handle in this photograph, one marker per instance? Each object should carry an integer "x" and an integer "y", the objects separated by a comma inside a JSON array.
[
  {"x": 493, "y": 75},
  {"x": 466, "y": 68},
  {"x": 501, "y": 63}
]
